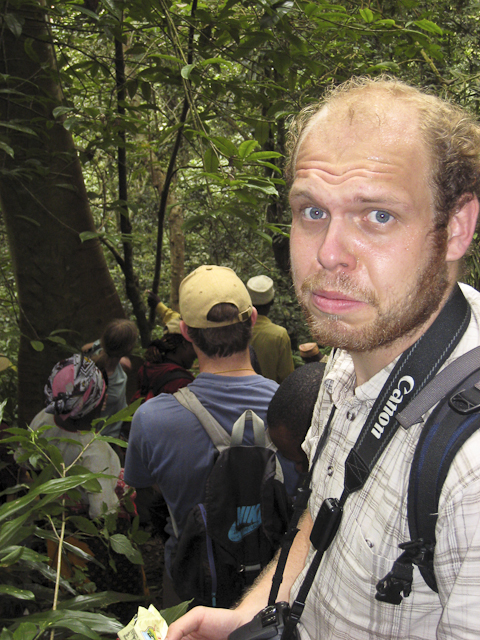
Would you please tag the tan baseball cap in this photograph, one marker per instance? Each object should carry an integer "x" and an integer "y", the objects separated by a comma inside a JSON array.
[
  {"x": 210, "y": 285},
  {"x": 261, "y": 289}
]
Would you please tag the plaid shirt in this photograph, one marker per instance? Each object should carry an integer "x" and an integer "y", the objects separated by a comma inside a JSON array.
[{"x": 341, "y": 603}]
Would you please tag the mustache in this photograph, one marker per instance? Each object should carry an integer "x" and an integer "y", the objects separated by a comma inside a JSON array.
[{"x": 340, "y": 283}]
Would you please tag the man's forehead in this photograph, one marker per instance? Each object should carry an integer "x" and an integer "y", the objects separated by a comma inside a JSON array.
[{"x": 369, "y": 110}]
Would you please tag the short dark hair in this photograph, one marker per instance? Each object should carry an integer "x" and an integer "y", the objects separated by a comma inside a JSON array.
[
  {"x": 224, "y": 341},
  {"x": 119, "y": 337},
  {"x": 293, "y": 402}
]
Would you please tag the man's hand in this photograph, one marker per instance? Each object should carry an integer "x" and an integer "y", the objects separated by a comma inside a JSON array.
[
  {"x": 205, "y": 623},
  {"x": 152, "y": 299}
]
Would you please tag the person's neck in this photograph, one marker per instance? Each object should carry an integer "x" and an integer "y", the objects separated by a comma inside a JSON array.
[
  {"x": 369, "y": 363},
  {"x": 238, "y": 364}
]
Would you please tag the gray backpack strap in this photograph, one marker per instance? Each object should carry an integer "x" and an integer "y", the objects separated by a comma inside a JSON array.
[
  {"x": 239, "y": 429},
  {"x": 215, "y": 431},
  {"x": 440, "y": 386}
]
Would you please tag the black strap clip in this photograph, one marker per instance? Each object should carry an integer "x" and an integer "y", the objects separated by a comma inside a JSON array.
[
  {"x": 399, "y": 580},
  {"x": 466, "y": 402}
]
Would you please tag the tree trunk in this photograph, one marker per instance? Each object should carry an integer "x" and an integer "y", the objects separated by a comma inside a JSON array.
[{"x": 62, "y": 283}]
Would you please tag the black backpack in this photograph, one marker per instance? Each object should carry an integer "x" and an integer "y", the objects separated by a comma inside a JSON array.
[
  {"x": 235, "y": 532},
  {"x": 456, "y": 417}
]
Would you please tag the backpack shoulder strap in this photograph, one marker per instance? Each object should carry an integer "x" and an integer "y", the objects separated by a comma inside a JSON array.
[
  {"x": 447, "y": 429},
  {"x": 239, "y": 429},
  {"x": 456, "y": 389},
  {"x": 456, "y": 373},
  {"x": 215, "y": 431}
]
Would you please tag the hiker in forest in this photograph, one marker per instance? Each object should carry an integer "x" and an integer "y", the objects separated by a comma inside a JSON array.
[
  {"x": 290, "y": 412},
  {"x": 110, "y": 354},
  {"x": 270, "y": 341},
  {"x": 384, "y": 185},
  {"x": 168, "y": 446}
]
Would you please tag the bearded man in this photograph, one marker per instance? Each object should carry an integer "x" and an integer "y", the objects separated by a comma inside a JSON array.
[{"x": 384, "y": 193}]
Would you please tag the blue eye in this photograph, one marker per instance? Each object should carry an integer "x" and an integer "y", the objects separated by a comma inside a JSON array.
[
  {"x": 382, "y": 217},
  {"x": 313, "y": 213}
]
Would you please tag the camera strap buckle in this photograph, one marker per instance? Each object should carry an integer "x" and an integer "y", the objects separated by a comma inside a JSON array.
[{"x": 399, "y": 580}]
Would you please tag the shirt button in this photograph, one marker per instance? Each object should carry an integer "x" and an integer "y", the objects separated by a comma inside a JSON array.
[
  {"x": 329, "y": 385},
  {"x": 330, "y": 471},
  {"x": 369, "y": 543},
  {"x": 351, "y": 415}
]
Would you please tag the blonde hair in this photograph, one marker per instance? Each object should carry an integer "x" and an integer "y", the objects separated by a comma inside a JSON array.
[{"x": 450, "y": 134}]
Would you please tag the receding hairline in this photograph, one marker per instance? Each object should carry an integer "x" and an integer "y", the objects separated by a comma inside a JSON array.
[{"x": 368, "y": 102}]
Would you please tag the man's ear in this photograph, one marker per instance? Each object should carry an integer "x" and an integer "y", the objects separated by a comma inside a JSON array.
[
  {"x": 254, "y": 316},
  {"x": 184, "y": 330},
  {"x": 461, "y": 228}
]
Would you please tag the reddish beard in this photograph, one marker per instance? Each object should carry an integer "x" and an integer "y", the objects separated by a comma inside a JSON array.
[{"x": 402, "y": 317}]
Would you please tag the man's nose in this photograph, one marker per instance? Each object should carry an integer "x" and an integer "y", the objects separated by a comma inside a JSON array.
[{"x": 335, "y": 251}]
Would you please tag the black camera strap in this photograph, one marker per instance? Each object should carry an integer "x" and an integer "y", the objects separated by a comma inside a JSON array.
[{"x": 412, "y": 372}]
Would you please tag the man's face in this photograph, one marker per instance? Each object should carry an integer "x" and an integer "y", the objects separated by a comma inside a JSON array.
[{"x": 368, "y": 267}]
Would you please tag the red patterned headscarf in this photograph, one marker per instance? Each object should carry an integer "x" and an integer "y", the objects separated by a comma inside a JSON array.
[{"x": 75, "y": 387}]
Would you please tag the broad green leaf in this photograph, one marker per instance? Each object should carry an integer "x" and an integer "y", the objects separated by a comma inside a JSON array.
[
  {"x": 17, "y": 127},
  {"x": 90, "y": 624},
  {"x": 21, "y": 594},
  {"x": 84, "y": 524},
  {"x": 262, "y": 131},
  {"x": 428, "y": 25},
  {"x": 99, "y": 599},
  {"x": 245, "y": 150},
  {"x": 37, "y": 345},
  {"x": 225, "y": 146},
  {"x": 121, "y": 544},
  {"x": 211, "y": 160},
  {"x": 26, "y": 631},
  {"x": 174, "y": 613},
  {"x": 366, "y": 14}
]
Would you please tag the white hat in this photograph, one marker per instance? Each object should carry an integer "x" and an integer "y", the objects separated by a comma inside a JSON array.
[{"x": 261, "y": 289}]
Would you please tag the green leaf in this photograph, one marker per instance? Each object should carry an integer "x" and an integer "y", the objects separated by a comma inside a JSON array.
[
  {"x": 57, "y": 339},
  {"x": 366, "y": 14},
  {"x": 89, "y": 235},
  {"x": 263, "y": 155},
  {"x": 61, "y": 111},
  {"x": 246, "y": 148},
  {"x": 14, "y": 24},
  {"x": 174, "y": 613},
  {"x": 187, "y": 70},
  {"x": 428, "y": 25},
  {"x": 20, "y": 594},
  {"x": 262, "y": 131},
  {"x": 85, "y": 525},
  {"x": 37, "y": 345},
  {"x": 211, "y": 160},
  {"x": 121, "y": 544},
  {"x": 99, "y": 599},
  {"x": 225, "y": 146},
  {"x": 8, "y": 150},
  {"x": 18, "y": 127},
  {"x": 25, "y": 631}
]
